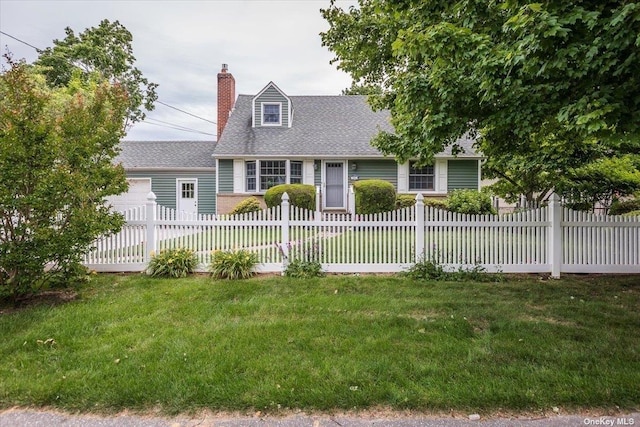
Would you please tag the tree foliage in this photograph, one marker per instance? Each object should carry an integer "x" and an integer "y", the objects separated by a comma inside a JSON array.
[
  {"x": 56, "y": 152},
  {"x": 555, "y": 79},
  {"x": 105, "y": 50}
]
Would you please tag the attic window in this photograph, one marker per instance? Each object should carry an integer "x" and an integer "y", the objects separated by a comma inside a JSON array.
[{"x": 271, "y": 114}]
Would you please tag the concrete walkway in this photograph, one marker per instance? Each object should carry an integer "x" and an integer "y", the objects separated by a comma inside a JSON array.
[{"x": 33, "y": 418}]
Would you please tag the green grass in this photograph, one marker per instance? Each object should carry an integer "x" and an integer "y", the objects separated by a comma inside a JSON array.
[{"x": 333, "y": 343}]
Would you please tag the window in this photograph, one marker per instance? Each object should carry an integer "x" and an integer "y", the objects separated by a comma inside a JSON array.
[
  {"x": 270, "y": 173},
  {"x": 421, "y": 178},
  {"x": 251, "y": 176},
  {"x": 295, "y": 173},
  {"x": 188, "y": 190},
  {"x": 270, "y": 114}
]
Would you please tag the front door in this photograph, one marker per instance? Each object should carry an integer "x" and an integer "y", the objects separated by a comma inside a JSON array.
[
  {"x": 334, "y": 191},
  {"x": 187, "y": 197}
]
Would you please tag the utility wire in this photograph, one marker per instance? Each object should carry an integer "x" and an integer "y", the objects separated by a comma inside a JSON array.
[
  {"x": 174, "y": 126},
  {"x": 186, "y": 112},
  {"x": 177, "y": 127},
  {"x": 21, "y": 41}
]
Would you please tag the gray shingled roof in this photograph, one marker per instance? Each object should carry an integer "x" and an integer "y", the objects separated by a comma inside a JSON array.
[
  {"x": 166, "y": 154},
  {"x": 322, "y": 126}
]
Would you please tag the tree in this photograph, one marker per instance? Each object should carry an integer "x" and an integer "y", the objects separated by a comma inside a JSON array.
[
  {"x": 362, "y": 89},
  {"x": 106, "y": 50},
  {"x": 56, "y": 167},
  {"x": 515, "y": 74}
]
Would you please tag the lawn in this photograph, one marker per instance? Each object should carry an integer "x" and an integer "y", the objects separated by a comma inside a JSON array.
[{"x": 333, "y": 343}]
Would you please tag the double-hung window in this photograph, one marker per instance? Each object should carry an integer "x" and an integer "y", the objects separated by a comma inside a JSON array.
[
  {"x": 261, "y": 175},
  {"x": 271, "y": 114},
  {"x": 421, "y": 178}
]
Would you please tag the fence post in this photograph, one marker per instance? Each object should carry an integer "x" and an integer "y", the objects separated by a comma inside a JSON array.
[
  {"x": 284, "y": 245},
  {"x": 419, "y": 226},
  {"x": 352, "y": 200},
  {"x": 151, "y": 226},
  {"x": 317, "y": 215},
  {"x": 555, "y": 235}
]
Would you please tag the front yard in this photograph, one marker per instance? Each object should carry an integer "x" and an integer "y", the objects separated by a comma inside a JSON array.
[{"x": 336, "y": 343}]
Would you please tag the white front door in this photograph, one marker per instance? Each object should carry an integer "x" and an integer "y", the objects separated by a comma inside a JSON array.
[
  {"x": 187, "y": 197},
  {"x": 334, "y": 195}
]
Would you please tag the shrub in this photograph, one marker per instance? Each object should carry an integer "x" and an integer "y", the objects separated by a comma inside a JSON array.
[
  {"x": 233, "y": 264},
  {"x": 436, "y": 203},
  {"x": 301, "y": 195},
  {"x": 468, "y": 201},
  {"x": 374, "y": 195},
  {"x": 620, "y": 207},
  {"x": 173, "y": 263},
  {"x": 405, "y": 200},
  {"x": 427, "y": 269},
  {"x": 250, "y": 204},
  {"x": 632, "y": 213},
  {"x": 304, "y": 269}
]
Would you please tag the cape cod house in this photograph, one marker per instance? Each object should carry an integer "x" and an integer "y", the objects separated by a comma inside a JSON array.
[{"x": 271, "y": 138}]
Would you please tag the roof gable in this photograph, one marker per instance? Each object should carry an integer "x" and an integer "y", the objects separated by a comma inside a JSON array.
[{"x": 271, "y": 94}]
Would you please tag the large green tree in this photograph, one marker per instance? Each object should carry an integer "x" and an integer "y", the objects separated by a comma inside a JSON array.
[
  {"x": 106, "y": 50},
  {"x": 561, "y": 75},
  {"x": 57, "y": 147}
]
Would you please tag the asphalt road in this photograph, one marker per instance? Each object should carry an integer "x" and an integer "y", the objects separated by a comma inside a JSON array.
[{"x": 32, "y": 418}]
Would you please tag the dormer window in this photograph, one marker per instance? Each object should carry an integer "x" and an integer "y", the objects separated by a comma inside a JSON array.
[{"x": 271, "y": 114}]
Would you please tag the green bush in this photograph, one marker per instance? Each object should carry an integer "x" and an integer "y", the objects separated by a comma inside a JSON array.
[
  {"x": 620, "y": 207},
  {"x": 436, "y": 203},
  {"x": 250, "y": 204},
  {"x": 632, "y": 213},
  {"x": 405, "y": 200},
  {"x": 304, "y": 269},
  {"x": 471, "y": 202},
  {"x": 233, "y": 264},
  {"x": 173, "y": 263},
  {"x": 301, "y": 195},
  {"x": 374, "y": 195}
]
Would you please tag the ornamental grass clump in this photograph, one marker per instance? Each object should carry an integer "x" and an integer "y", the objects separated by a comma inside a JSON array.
[
  {"x": 178, "y": 262},
  {"x": 232, "y": 264}
]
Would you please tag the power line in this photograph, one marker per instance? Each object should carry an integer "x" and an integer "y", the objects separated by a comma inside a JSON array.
[
  {"x": 175, "y": 126},
  {"x": 185, "y": 112},
  {"x": 180, "y": 128},
  {"x": 21, "y": 41},
  {"x": 159, "y": 102}
]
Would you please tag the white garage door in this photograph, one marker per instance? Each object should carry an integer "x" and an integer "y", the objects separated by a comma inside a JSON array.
[{"x": 136, "y": 196}]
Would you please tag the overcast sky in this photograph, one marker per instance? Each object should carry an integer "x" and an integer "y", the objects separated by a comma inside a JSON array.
[{"x": 181, "y": 45}]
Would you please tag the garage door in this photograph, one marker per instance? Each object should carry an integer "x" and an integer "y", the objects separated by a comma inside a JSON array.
[{"x": 136, "y": 196}]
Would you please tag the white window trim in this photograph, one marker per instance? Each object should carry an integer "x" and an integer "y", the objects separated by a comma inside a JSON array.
[
  {"x": 262, "y": 105},
  {"x": 243, "y": 179},
  {"x": 440, "y": 178}
]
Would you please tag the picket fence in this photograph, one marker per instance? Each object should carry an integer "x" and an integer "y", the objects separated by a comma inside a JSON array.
[{"x": 550, "y": 239}]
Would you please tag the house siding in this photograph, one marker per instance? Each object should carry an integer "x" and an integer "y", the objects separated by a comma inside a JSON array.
[
  {"x": 375, "y": 169},
  {"x": 462, "y": 174},
  {"x": 225, "y": 176},
  {"x": 271, "y": 94},
  {"x": 163, "y": 184}
]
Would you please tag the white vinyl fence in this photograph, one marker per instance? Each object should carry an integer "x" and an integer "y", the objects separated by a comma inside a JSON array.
[{"x": 550, "y": 239}]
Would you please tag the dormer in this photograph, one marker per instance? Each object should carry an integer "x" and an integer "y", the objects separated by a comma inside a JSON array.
[{"x": 271, "y": 108}]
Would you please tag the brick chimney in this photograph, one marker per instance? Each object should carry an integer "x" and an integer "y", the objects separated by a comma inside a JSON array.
[{"x": 226, "y": 97}]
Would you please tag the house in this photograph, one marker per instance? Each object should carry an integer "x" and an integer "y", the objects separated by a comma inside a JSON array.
[
  {"x": 272, "y": 138},
  {"x": 181, "y": 174}
]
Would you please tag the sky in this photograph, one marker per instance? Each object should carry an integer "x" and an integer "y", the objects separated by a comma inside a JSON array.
[{"x": 181, "y": 46}]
